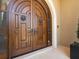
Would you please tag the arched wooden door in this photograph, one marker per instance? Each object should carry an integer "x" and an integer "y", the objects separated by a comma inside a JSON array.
[{"x": 28, "y": 26}]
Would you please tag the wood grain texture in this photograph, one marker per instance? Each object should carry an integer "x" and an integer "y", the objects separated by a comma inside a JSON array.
[
  {"x": 28, "y": 26},
  {"x": 3, "y": 56}
]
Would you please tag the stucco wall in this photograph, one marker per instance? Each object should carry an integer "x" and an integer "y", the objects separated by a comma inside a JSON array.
[
  {"x": 54, "y": 6},
  {"x": 70, "y": 16},
  {"x": 54, "y": 22},
  {"x": 57, "y": 5}
]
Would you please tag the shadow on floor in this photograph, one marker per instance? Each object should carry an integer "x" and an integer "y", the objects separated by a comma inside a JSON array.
[{"x": 65, "y": 50}]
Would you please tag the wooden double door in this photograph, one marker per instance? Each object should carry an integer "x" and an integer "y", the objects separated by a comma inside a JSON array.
[{"x": 28, "y": 26}]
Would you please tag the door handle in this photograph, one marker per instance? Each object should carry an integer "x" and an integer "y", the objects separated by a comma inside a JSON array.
[
  {"x": 30, "y": 30},
  {"x": 34, "y": 31}
]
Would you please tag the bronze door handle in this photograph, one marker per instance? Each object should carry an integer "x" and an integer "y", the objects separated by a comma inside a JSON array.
[{"x": 30, "y": 30}]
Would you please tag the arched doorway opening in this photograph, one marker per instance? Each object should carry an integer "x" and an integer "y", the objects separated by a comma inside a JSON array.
[
  {"x": 51, "y": 5},
  {"x": 30, "y": 26}
]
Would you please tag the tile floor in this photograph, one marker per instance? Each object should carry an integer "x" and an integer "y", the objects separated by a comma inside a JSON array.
[{"x": 47, "y": 53}]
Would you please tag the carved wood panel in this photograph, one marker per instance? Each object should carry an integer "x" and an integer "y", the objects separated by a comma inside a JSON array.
[{"x": 28, "y": 26}]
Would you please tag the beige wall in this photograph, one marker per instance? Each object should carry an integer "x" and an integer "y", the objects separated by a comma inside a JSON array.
[
  {"x": 67, "y": 12},
  {"x": 70, "y": 15},
  {"x": 52, "y": 9},
  {"x": 56, "y": 21},
  {"x": 54, "y": 6},
  {"x": 57, "y": 5}
]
